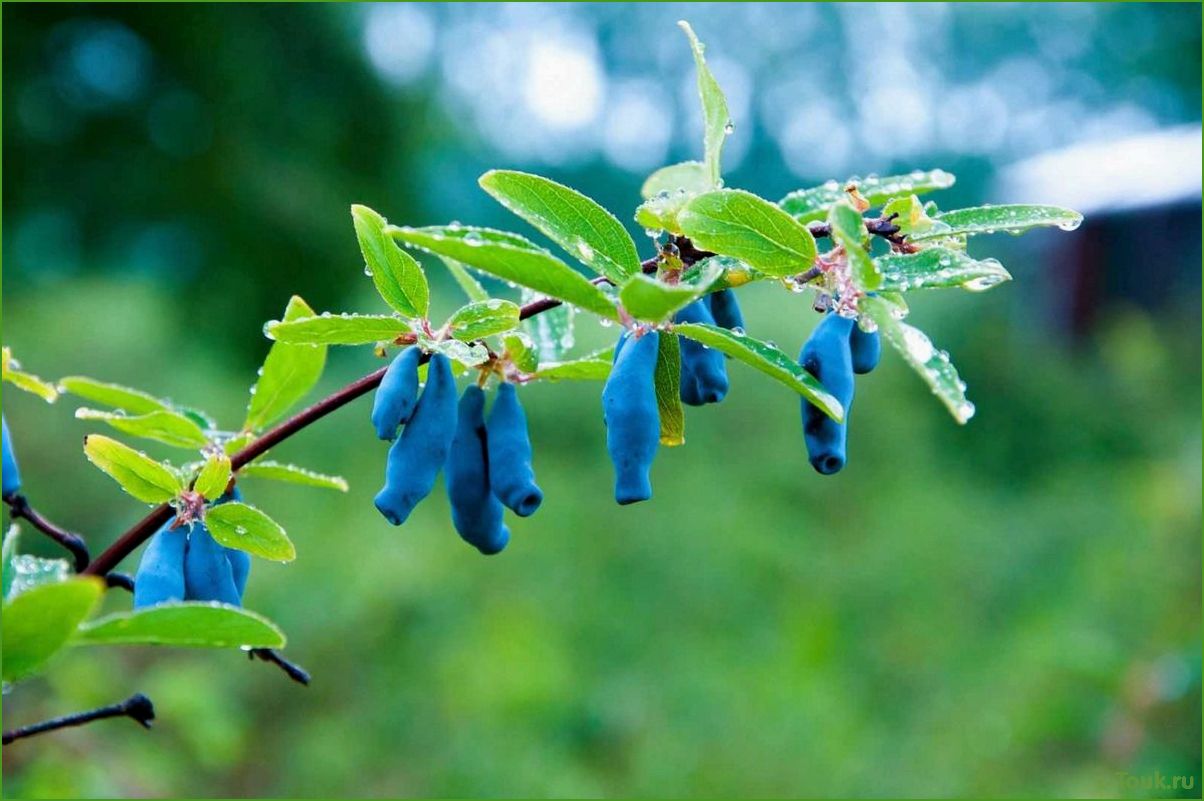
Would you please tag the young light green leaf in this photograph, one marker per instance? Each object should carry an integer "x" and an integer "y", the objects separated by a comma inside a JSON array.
[
  {"x": 767, "y": 358},
  {"x": 23, "y": 571},
  {"x": 462, "y": 354},
  {"x": 716, "y": 121},
  {"x": 292, "y": 474},
  {"x": 237, "y": 442},
  {"x": 483, "y": 319},
  {"x": 848, "y": 231},
  {"x": 511, "y": 258},
  {"x": 808, "y": 205},
  {"x": 917, "y": 350},
  {"x": 938, "y": 267},
  {"x": 397, "y": 275},
  {"x": 667, "y": 381},
  {"x": 194, "y": 624},
  {"x": 552, "y": 332},
  {"x": 660, "y": 213},
  {"x": 651, "y": 299},
  {"x": 131, "y": 401},
  {"x": 570, "y": 219},
  {"x": 138, "y": 474},
  {"x": 467, "y": 281},
  {"x": 10, "y": 371},
  {"x": 910, "y": 215},
  {"x": 288, "y": 373},
  {"x": 739, "y": 224},
  {"x": 171, "y": 428},
  {"x": 690, "y": 177},
  {"x": 587, "y": 368},
  {"x": 1014, "y": 219},
  {"x": 39, "y": 622},
  {"x": 520, "y": 350},
  {"x": 237, "y": 525},
  {"x": 337, "y": 329},
  {"x": 211, "y": 482}
]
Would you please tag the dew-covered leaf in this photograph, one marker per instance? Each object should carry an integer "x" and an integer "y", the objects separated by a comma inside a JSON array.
[
  {"x": 292, "y": 474},
  {"x": 397, "y": 275},
  {"x": 237, "y": 525},
  {"x": 716, "y": 122},
  {"x": 938, "y": 267},
  {"x": 1014, "y": 219},
  {"x": 132, "y": 401},
  {"x": 214, "y": 476},
  {"x": 191, "y": 624},
  {"x": 138, "y": 474},
  {"x": 552, "y": 331},
  {"x": 809, "y": 205},
  {"x": 654, "y": 300},
  {"x": 11, "y": 372},
  {"x": 667, "y": 381},
  {"x": 39, "y": 622},
  {"x": 848, "y": 231},
  {"x": 170, "y": 428},
  {"x": 587, "y": 368},
  {"x": 467, "y": 281},
  {"x": 288, "y": 373},
  {"x": 739, "y": 224},
  {"x": 484, "y": 318},
  {"x": 23, "y": 571},
  {"x": 520, "y": 350},
  {"x": 338, "y": 329},
  {"x": 690, "y": 177}
]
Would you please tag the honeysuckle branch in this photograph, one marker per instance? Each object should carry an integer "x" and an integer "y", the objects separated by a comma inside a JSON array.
[
  {"x": 19, "y": 507},
  {"x": 272, "y": 656},
  {"x": 137, "y": 708}
]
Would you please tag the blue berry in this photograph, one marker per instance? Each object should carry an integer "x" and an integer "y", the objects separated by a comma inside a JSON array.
[
  {"x": 476, "y": 511},
  {"x": 510, "y": 471},
  {"x": 397, "y": 394},
  {"x": 632, "y": 420},
  {"x": 826, "y": 356}
]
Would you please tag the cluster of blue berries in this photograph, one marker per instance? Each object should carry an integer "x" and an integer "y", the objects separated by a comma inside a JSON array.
[
  {"x": 185, "y": 563},
  {"x": 487, "y": 463},
  {"x": 12, "y": 474}
]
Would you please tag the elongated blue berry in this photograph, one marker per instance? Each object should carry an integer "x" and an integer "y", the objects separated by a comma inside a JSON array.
[
  {"x": 826, "y": 356},
  {"x": 397, "y": 394},
  {"x": 703, "y": 372},
  {"x": 510, "y": 471},
  {"x": 417, "y": 455},
  {"x": 240, "y": 561},
  {"x": 12, "y": 473},
  {"x": 160, "y": 576},
  {"x": 726, "y": 309},
  {"x": 476, "y": 511},
  {"x": 866, "y": 348},
  {"x": 633, "y": 427},
  {"x": 207, "y": 572}
]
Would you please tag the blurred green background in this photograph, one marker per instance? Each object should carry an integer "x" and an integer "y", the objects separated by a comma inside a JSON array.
[{"x": 1010, "y": 608}]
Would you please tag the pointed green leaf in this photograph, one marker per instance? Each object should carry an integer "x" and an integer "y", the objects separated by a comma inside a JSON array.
[
  {"x": 211, "y": 482},
  {"x": 520, "y": 350},
  {"x": 10, "y": 370},
  {"x": 292, "y": 474},
  {"x": 690, "y": 177},
  {"x": 552, "y": 332},
  {"x": 194, "y": 624},
  {"x": 467, "y": 281},
  {"x": 716, "y": 123},
  {"x": 917, "y": 350},
  {"x": 653, "y": 300},
  {"x": 1014, "y": 219},
  {"x": 739, "y": 224},
  {"x": 660, "y": 213},
  {"x": 667, "y": 381},
  {"x": 767, "y": 358},
  {"x": 39, "y": 622},
  {"x": 132, "y": 401},
  {"x": 570, "y": 219},
  {"x": 910, "y": 215},
  {"x": 587, "y": 368},
  {"x": 170, "y": 428},
  {"x": 338, "y": 329},
  {"x": 237, "y": 525},
  {"x": 808, "y": 205},
  {"x": 848, "y": 231},
  {"x": 511, "y": 258},
  {"x": 483, "y": 319},
  {"x": 288, "y": 373},
  {"x": 398, "y": 277},
  {"x": 23, "y": 571},
  {"x": 937, "y": 267},
  {"x": 138, "y": 474}
]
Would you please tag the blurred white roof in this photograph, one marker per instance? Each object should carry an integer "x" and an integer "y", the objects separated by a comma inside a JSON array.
[{"x": 1132, "y": 172}]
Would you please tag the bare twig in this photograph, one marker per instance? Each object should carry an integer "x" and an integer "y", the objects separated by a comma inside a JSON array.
[
  {"x": 292, "y": 670},
  {"x": 137, "y": 707},
  {"x": 20, "y": 507}
]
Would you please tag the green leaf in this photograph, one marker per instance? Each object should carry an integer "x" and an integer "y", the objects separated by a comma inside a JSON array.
[
  {"x": 288, "y": 373},
  {"x": 398, "y": 276},
  {"x": 660, "y": 213},
  {"x": 587, "y": 368},
  {"x": 483, "y": 319},
  {"x": 651, "y": 299},
  {"x": 237, "y": 525},
  {"x": 211, "y": 482},
  {"x": 292, "y": 474},
  {"x": 338, "y": 329},
  {"x": 132, "y": 401},
  {"x": 667, "y": 381},
  {"x": 715, "y": 119},
  {"x": 807, "y": 205},
  {"x": 171, "y": 428},
  {"x": 511, "y": 258},
  {"x": 1014, "y": 219},
  {"x": 911, "y": 216},
  {"x": 7, "y": 574},
  {"x": 690, "y": 177},
  {"x": 520, "y": 350},
  {"x": 39, "y": 622},
  {"x": 552, "y": 332},
  {"x": 937, "y": 267},
  {"x": 918, "y": 351},
  {"x": 23, "y": 571},
  {"x": 468, "y": 354},
  {"x": 138, "y": 474},
  {"x": 237, "y": 442},
  {"x": 471, "y": 286},
  {"x": 194, "y": 624},
  {"x": 848, "y": 231},
  {"x": 11, "y": 372},
  {"x": 570, "y": 219},
  {"x": 736, "y": 223},
  {"x": 767, "y": 358}
]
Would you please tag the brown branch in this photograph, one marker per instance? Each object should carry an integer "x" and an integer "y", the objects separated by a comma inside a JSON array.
[
  {"x": 137, "y": 707},
  {"x": 20, "y": 507}
]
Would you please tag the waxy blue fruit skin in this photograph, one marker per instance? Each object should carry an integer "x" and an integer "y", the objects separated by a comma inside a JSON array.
[
  {"x": 12, "y": 473},
  {"x": 826, "y": 356},
  {"x": 476, "y": 511},
  {"x": 207, "y": 572},
  {"x": 866, "y": 348},
  {"x": 703, "y": 372},
  {"x": 240, "y": 561},
  {"x": 633, "y": 427},
  {"x": 160, "y": 576},
  {"x": 726, "y": 309},
  {"x": 397, "y": 394},
  {"x": 509, "y": 449},
  {"x": 417, "y": 455}
]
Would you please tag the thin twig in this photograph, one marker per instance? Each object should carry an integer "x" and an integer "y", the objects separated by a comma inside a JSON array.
[
  {"x": 137, "y": 707},
  {"x": 119, "y": 580},
  {"x": 20, "y": 507},
  {"x": 291, "y": 669}
]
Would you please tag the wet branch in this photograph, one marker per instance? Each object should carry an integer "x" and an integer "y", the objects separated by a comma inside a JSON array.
[
  {"x": 137, "y": 707},
  {"x": 20, "y": 507}
]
